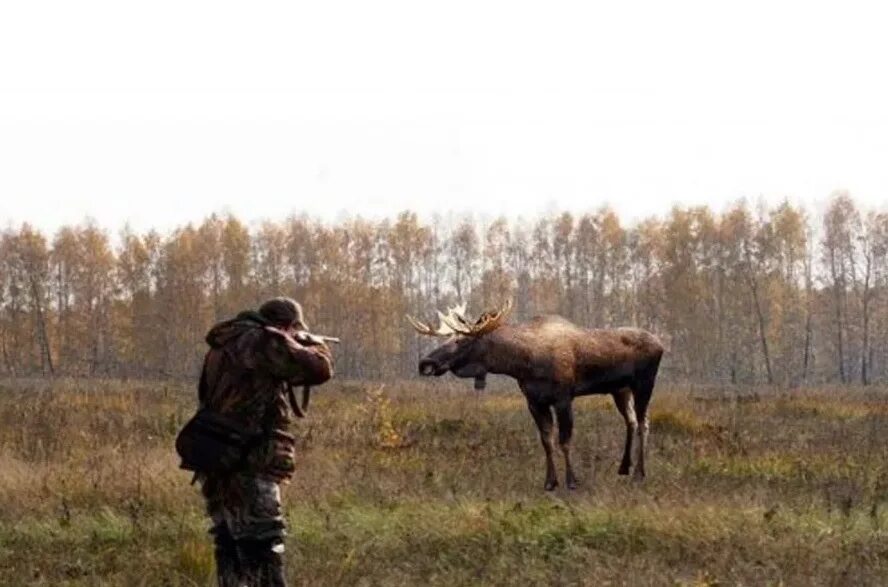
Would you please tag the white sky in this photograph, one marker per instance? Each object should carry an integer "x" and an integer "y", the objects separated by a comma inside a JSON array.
[{"x": 162, "y": 112}]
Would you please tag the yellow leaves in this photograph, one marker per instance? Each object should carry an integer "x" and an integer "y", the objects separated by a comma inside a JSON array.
[{"x": 378, "y": 407}]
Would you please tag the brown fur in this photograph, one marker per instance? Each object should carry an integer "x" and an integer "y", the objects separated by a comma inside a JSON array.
[{"x": 554, "y": 361}]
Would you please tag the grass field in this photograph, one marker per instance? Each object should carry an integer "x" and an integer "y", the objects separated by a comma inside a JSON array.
[{"x": 433, "y": 484}]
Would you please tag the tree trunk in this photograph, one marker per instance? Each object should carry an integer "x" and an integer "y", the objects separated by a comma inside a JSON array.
[
  {"x": 763, "y": 336},
  {"x": 41, "y": 326},
  {"x": 837, "y": 294},
  {"x": 864, "y": 351}
]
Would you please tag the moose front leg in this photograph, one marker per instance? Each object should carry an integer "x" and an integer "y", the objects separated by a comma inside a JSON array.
[
  {"x": 564, "y": 413},
  {"x": 542, "y": 415}
]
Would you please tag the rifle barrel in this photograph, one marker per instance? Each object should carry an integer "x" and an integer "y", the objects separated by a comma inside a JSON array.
[{"x": 317, "y": 337}]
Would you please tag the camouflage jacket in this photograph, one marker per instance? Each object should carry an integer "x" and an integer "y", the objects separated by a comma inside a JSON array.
[{"x": 246, "y": 369}]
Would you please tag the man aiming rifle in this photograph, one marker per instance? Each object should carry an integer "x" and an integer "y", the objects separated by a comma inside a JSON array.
[{"x": 238, "y": 443}]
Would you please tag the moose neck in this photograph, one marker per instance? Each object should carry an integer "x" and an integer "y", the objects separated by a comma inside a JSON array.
[{"x": 504, "y": 353}]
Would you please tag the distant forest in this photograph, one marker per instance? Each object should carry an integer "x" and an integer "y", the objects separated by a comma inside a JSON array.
[{"x": 753, "y": 294}]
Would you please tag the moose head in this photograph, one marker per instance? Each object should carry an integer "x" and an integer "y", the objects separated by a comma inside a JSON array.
[{"x": 464, "y": 351}]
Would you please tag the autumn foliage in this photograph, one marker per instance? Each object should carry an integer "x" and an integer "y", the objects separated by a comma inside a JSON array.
[{"x": 748, "y": 295}]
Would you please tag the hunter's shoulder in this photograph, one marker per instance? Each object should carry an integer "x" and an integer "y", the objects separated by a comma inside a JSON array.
[
  {"x": 281, "y": 343},
  {"x": 273, "y": 333},
  {"x": 276, "y": 340}
]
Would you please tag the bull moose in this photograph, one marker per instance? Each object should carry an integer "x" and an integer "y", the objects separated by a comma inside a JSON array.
[{"x": 553, "y": 361}]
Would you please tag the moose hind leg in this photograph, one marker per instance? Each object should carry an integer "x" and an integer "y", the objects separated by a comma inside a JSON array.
[
  {"x": 564, "y": 413},
  {"x": 643, "y": 430},
  {"x": 625, "y": 405},
  {"x": 542, "y": 415},
  {"x": 644, "y": 389}
]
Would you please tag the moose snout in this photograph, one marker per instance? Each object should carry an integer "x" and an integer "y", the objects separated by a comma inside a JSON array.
[{"x": 427, "y": 368}]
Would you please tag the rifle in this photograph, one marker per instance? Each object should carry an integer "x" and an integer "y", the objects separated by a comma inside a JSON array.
[{"x": 305, "y": 336}]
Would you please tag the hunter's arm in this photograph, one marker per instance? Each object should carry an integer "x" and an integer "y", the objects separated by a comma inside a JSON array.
[{"x": 293, "y": 362}]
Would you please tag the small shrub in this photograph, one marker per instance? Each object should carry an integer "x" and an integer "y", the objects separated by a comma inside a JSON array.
[{"x": 378, "y": 406}]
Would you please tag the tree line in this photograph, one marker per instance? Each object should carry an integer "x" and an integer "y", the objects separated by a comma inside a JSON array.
[{"x": 753, "y": 294}]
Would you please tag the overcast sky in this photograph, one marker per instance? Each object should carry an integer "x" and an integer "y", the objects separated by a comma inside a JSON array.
[{"x": 157, "y": 113}]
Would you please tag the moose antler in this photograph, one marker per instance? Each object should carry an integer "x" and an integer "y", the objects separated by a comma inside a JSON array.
[
  {"x": 455, "y": 322},
  {"x": 455, "y": 315},
  {"x": 487, "y": 322},
  {"x": 424, "y": 328},
  {"x": 443, "y": 329}
]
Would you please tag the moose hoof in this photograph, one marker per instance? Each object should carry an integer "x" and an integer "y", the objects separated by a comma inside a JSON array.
[
  {"x": 638, "y": 477},
  {"x": 624, "y": 470},
  {"x": 551, "y": 485},
  {"x": 572, "y": 484}
]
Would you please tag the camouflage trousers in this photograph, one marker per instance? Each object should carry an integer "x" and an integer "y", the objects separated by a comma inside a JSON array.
[{"x": 246, "y": 505}]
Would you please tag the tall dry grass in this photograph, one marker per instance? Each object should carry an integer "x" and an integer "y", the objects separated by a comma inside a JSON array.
[{"x": 432, "y": 483}]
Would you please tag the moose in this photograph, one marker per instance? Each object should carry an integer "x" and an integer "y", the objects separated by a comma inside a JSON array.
[{"x": 553, "y": 361}]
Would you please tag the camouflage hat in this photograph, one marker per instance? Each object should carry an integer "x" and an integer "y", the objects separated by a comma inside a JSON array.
[{"x": 283, "y": 311}]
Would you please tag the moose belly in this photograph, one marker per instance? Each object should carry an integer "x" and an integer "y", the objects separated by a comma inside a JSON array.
[{"x": 605, "y": 380}]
